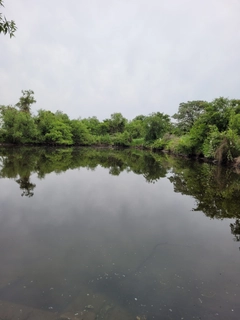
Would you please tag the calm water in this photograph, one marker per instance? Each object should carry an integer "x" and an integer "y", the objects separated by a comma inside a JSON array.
[{"x": 90, "y": 234}]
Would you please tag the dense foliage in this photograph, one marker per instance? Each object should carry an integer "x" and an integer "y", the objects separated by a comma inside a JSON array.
[{"x": 205, "y": 129}]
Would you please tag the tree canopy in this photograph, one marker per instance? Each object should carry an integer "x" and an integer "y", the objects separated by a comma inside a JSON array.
[{"x": 26, "y": 100}]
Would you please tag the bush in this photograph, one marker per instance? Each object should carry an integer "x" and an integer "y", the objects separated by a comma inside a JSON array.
[
  {"x": 229, "y": 147},
  {"x": 212, "y": 142},
  {"x": 162, "y": 143},
  {"x": 221, "y": 146},
  {"x": 137, "y": 142},
  {"x": 185, "y": 145},
  {"x": 172, "y": 145},
  {"x": 105, "y": 139},
  {"x": 122, "y": 139}
]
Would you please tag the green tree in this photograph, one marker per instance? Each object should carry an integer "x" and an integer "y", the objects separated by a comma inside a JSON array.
[
  {"x": 17, "y": 126},
  {"x": 63, "y": 117},
  {"x": 5, "y": 25},
  {"x": 136, "y": 128},
  {"x": 188, "y": 113},
  {"x": 104, "y": 127},
  {"x": 80, "y": 133},
  {"x": 212, "y": 133},
  {"x": 156, "y": 124},
  {"x": 92, "y": 124},
  {"x": 26, "y": 100},
  {"x": 60, "y": 133},
  {"x": 218, "y": 113},
  {"x": 44, "y": 121},
  {"x": 117, "y": 123},
  {"x": 234, "y": 123},
  {"x": 53, "y": 128},
  {"x": 235, "y": 104},
  {"x": 198, "y": 134}
]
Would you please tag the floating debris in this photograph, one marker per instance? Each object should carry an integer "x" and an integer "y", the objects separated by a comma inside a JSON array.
[{"x": 89, "y": 307}]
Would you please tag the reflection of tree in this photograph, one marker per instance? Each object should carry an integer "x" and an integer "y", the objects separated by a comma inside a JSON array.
[
  {"x": 116, "y": 165},
  {"x": 153, "y": 170},
  {"x": 235, "y": 229},
  {"x": 26, "y": 186},
  {"x": 151, "y": 166},
  {"x": 20, "y": 163},
  {"x": 216, "y": 189}
]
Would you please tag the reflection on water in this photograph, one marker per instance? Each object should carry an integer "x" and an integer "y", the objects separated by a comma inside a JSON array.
[{"x": 90, "y": 239}]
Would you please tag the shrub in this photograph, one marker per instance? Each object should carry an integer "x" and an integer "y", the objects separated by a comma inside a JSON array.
[
  {"x": 212, "y": 142},
  {"x": 229, "y": 147},
  {"x": 137, "y": 142},
  {"x": 162, "y": 143},
  {"x": 172, "y": 145},
  {"x": 185, "y": 145},
  {"x": 105, "y": 139},
  {"x": 122, "y": 139}
]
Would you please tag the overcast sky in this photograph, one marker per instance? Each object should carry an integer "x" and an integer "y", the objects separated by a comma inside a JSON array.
[{"x": 96, "y": 57}]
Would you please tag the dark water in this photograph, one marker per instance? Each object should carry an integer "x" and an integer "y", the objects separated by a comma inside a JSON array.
[{"x": 91, "y": 234}]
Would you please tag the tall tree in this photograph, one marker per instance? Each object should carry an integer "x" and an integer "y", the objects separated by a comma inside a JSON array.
[
  {"x": 156, "y": 124},
  {"x": 136, "y": 128},
  {"x": 117, "y": 122},
  {"x": 26, "y": 100},
  {"x": 218, "y": 113},
  {"x": 17, "y": 126},
  {"x": 188, "y": 113}
]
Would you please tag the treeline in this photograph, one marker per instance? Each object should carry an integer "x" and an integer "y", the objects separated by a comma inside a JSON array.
[
  {"x": 199, "y": 128},
  {"x": 19, "y": 126}
]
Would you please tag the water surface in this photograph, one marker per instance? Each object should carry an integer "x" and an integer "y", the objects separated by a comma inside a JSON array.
[{"x": 91, "y": 234}]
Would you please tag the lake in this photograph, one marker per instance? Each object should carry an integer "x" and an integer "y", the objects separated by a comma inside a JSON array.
[{"x": 117, "y": 234}]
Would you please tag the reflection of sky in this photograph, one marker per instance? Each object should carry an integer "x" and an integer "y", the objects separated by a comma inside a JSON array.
[{"x": 94, "y": 218}]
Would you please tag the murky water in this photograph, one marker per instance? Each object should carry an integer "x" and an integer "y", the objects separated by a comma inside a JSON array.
[{"x": 90, "y": 234}]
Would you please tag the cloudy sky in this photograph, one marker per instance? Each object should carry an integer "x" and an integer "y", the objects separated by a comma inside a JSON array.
[{"x": 96, "y": 57}]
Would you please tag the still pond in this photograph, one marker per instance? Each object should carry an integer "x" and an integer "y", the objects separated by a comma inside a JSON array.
[{"x": 117, "y": 234}]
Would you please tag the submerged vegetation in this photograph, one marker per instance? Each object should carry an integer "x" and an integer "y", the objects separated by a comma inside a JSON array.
[{"x": 200, "y": 128}]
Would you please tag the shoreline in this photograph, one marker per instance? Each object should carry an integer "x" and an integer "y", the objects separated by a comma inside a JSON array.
[{"x": 233, "y": 164}]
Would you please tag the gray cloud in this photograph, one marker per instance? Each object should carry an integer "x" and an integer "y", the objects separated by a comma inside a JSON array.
[{"x": 98, "y": 57}]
